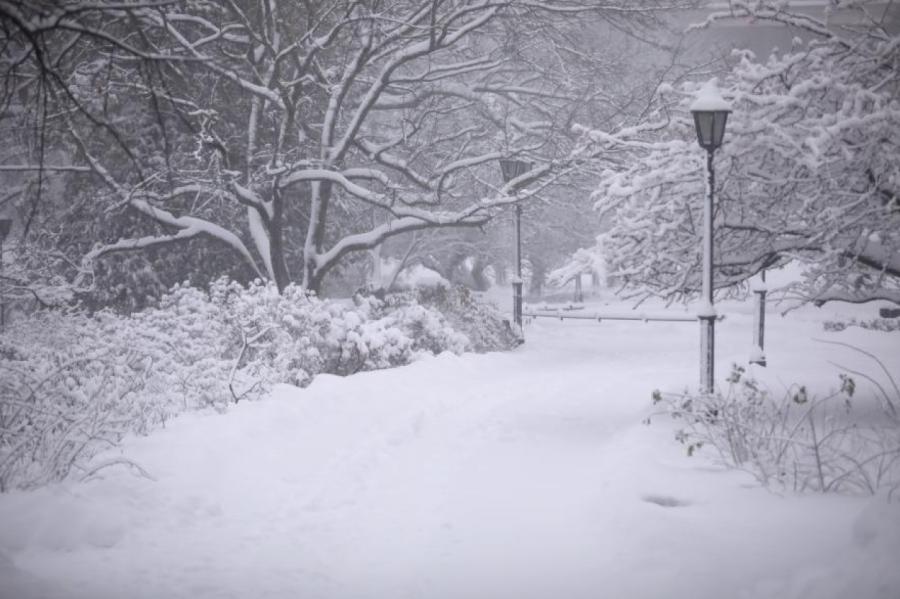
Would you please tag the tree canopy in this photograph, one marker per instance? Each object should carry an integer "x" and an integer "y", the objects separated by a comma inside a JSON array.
[
  {"x": 293, "y": 134},
  {"x": 809, "y": 171}
]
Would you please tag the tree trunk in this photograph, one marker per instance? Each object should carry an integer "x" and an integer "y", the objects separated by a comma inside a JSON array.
[
  {"x": 500, "y": 274},
  {"x": 276, "y": 243},
  {"x": 376, "y": 276},
  {"x": 322, "y": 216},
  {"x": 538, "y": 275},
  {"x": 452, "y": 265},
  {"x": 479, "y": 281},
  {"x": 314, "y": 277},
  {"x": 315, "y": 236}
]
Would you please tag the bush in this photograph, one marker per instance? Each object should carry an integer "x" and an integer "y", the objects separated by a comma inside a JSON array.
[
  {"x": 66, "y": 395},
  {"x": 796, "y": 441},
  {"x": 482, "y": 323},
  {"x": 887, "y": 325},
  {"x": 294, "y": 336},
  {"x": 72, "y": 384}
]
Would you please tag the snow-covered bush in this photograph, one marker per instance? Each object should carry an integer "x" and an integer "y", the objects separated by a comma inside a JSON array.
[
  {"x": 796, "y": 441},
  {"x": 69, "y": 391},
  {"x": 481, "y": 322},
  {"x": 293, "y": 336},
  {"x": 72, "y": 384},
  {"x": 875, "y": 324}
]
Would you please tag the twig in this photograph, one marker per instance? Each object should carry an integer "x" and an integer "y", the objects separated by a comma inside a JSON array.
[
  {"x": 877, "y": 361},
  {"x": 884, "y": 394},
  {"x": 245, "y": 343},
  {"x": 117, "y": 462}
]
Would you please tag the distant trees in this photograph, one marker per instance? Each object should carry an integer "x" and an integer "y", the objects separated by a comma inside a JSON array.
[
  {"x": 810, "y": 169},
  {"x": 294, "y": 133}
]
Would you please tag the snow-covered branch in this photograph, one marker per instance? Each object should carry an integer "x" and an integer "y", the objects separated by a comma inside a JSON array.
[
  {"x": 298, "y": 132},
  {"x": 807, "y": 172}
]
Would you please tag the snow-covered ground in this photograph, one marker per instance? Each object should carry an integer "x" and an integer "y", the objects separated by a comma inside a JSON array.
[{"x": 521, "y": 475}]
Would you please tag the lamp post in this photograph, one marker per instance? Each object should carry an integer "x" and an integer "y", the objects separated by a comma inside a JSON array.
[
  {"x": 759, "y": 322},
  {"x": 5, "y": 226},
  {"x": 710, "y": 112},
  {"x": 512, "y": 169}
]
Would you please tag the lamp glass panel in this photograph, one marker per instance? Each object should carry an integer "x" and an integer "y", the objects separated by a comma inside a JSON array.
[
  {"x": 719, "y": 119},
  {"x": 513, "y": 168},
  {"x": 704, "y": 123}
]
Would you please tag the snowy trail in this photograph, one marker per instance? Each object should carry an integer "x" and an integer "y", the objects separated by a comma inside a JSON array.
[{"x": 527, "y": 475}]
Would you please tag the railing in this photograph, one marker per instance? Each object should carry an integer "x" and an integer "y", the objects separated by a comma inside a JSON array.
[{"x": 561, "y": 314}]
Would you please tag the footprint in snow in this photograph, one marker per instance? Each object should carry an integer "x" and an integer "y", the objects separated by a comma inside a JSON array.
[{"x": 665, "y": 501}]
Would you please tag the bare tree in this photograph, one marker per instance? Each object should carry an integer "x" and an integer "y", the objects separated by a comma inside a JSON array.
[{"x": 280, "y": 128}]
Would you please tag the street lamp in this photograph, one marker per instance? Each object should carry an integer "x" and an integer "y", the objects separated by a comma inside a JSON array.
[
  {"x": 512, "y": 169},
  {"x": 5, "y": 226},
  {"x": 710, "y": 112}
]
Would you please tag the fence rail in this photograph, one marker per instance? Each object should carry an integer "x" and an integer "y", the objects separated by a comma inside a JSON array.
[{"x": 600, "y": 317}]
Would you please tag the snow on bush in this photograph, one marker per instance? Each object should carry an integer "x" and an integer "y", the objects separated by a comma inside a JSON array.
[
  {"x": 840, "y": 443},
  {"x": 482, "y": 323},
  {"x": 68, "y": 391},
  {"x": 875, "y": 324},
  {"x": 72, "y": 384}
]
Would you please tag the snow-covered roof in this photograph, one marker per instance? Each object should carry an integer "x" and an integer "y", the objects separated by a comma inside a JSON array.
[{"x": 709, "y": 98}]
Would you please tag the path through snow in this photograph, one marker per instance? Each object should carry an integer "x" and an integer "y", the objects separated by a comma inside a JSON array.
[{"x": 520, "y": 475}]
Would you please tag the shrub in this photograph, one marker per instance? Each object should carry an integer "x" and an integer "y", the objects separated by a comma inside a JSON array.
[
  {"x": 481, "y": 322},
  {"x": 293, "y": 336},
  {"x": 796, "y": 441},
  {"x": 875, "y": 324},
  {"x": 61, "y": 402},
  {"x": 72, "y": 384}
]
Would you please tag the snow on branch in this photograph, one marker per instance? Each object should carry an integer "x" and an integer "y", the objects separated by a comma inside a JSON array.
[
  {"x": 189, "y": 227},
  {"x": 302, "y": 126},
  {"x": 406, "y": 224},
  {"x": 890, "y": 295},
  {"x": 768, "y": 10},
  {"x": 808, "y": 171}
]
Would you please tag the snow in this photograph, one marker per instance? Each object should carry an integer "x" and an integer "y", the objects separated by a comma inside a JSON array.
[
  {"x": 709, "y": 98},
  {"x": 527, "y": 474},
  {"x": 756, "y": 355},
  {"x": 418, "y": 276},
  {"x": 706, "y": 310}
]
